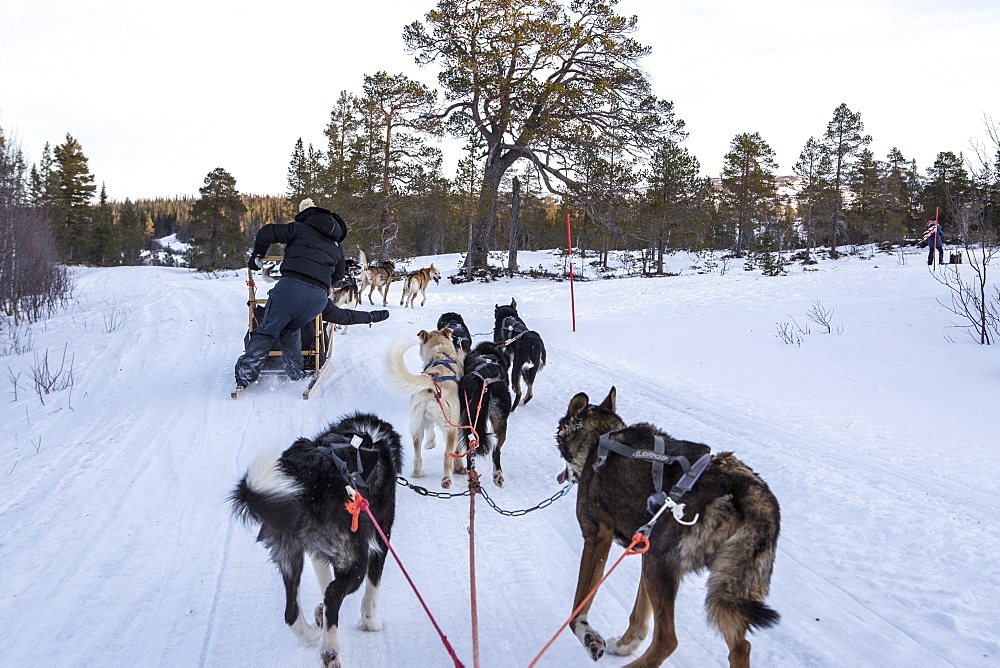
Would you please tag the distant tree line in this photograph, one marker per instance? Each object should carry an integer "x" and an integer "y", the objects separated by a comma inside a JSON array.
[{"x": 556, "y": 117}]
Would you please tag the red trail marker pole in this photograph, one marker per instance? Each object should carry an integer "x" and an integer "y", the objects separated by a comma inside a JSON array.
[{"x": 569, "y": 254}]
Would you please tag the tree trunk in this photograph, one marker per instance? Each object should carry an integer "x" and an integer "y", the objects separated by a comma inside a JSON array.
[
  {"x": 515, "y": 209},
  {"x": 484, "y": 228}
]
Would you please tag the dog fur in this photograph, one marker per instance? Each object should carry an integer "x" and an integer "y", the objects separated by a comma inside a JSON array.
[
  {"x": 440, "y": 360},
  {"x": 416, "y": 282},
  {"x": 486, "y": 365},
  {"x": 525, "y": 347},
  {"x": 460, "y": 334},
  {"x": 735, "y": 536},
  {"x": 297, "y": 497},
  {"x": 377, "y": 277}
]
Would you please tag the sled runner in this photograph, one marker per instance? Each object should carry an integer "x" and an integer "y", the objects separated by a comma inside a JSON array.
[{"x": 317, "y": 340}]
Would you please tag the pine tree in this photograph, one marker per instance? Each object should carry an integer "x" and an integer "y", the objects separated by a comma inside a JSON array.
[
  {"x": 71, "y": 212},
  {"x": 749, "y": 189},
  {"x": 949, "y": 189},
  {"x": 843, "y": 139},
  {"x": 215, "y": 222},
  {"x": 816, "y": 193},
  {"x": 104, "y": 247},
  {"x": 902, "y": 189},
  {"x": 298, "y": 174}
]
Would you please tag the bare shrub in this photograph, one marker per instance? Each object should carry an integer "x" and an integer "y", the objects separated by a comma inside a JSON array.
[
  {"x": 788, "y": 333},
  {"x": 821, "y": 316},
  {"x": 48, "y": 381}
]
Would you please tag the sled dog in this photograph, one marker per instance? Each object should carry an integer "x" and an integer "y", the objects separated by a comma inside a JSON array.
[
  {"x": 485, "y": 365},
  {"x": 459, "y": 331},
  {"x": 730, "y": 526},
  {"x": 298, "y": 498},
  {"x": 416, "y": 282},
  {"x": 376, "y": 277},
  {"x": 441, "y": 374},
  {"x": 346, "y": 294},
  {"x": 525, "y": 347}
]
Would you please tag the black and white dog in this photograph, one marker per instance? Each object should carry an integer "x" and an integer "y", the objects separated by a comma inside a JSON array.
[
  {"x": 298, "y": 497},
  {"x": 486, "y": 364},
  {"x": 459, "y": 331},
  {"x": 524, "y": 346}
]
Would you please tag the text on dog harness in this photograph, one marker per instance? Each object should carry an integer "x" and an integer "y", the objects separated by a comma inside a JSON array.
[{"x": 658, "y": 457}]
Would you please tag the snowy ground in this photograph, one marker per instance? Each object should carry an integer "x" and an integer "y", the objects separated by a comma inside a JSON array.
[{"x": 879, "y": 439}]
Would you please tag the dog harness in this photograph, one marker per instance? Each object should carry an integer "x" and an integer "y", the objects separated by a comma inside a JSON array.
[
  {"x": 484, "y": 364},
  {"x": 357, "y": 441},
  {"x": 449, "y": 364},
  {"x": 458, "y": 332},
  {"x": 658, "y": 457},
  {"x": 509, "y": 326}
]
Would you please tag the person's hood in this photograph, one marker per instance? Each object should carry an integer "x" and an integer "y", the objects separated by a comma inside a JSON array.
[{"x": 327, "y": 222}]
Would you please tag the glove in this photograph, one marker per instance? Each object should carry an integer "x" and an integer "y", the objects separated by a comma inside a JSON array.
[
  {"x": 378, "y": 316},
  {"x": 254, "y": 263}
]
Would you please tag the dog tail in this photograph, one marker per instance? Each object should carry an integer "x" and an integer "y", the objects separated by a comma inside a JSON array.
[
  {"x": 741, "y": 572},
  {"x": 266, "y": 494},
  {"x": 404, "y": 380}
]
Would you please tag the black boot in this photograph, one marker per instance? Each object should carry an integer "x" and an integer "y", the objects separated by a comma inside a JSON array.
[
  {"x": 291, "y": 353},
  {"x": 248, "y": 366}
]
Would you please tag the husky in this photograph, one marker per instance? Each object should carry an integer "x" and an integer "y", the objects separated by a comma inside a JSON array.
[
  {"x": 433, "y": 397},
  {"x": 728, "y": 522},
  {"x": 459, "y": 331},
  {"x": 486, "y": 408},
  {"x": 376, "y": 277},
  {"x": 525, "y": 347},
  {"x": 298, "y": 498},
  {"x": 416, "y": 282}
]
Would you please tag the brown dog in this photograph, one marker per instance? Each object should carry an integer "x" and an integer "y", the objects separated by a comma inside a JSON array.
[
  {"x": 441, "y": 373},
  {"x": 725, "y": 519},
  {"x": 377, "y": 277},
  {"x": 417, "y": 282}
]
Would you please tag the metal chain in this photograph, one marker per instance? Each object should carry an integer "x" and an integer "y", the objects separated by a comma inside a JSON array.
[
  {"x": 517, "y": 513},
  {"x": 423, "y": 491}
]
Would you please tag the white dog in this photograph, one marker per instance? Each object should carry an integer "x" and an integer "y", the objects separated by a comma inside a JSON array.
[{"x": 441, "y": 373}]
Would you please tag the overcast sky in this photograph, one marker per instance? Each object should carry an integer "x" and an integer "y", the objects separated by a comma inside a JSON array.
[{"x": 159, "y": 94}]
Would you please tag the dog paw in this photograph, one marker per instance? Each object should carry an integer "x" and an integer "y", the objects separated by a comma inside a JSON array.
[
  {"x": 619, "y": 647},
  {"x": 370, "y": 623},
  {"x": 459, "y": 467},
  {"x": 498, "y": 478},
  {"x": 417, "y": 473},
  {"x": 594, "y": 643},
  {"x": 446, "y": 482},
  {"x": 330, "y": 658}
]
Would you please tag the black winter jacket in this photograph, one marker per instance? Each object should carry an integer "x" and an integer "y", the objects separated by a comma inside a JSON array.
[{"x": 312, "y": 246}]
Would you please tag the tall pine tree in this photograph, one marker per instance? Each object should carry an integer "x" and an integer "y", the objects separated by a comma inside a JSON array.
[
  {"x": 70, "y": 210},
  {"x": 748, "y": 187},
  {"x": 843, "y": 139},
  {"x": 215, "y": 224}
]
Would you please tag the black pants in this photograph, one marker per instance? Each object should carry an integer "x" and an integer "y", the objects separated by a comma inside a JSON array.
[
  {"x": 930, "y": 254},
  {"x": 290, "y": 305}
]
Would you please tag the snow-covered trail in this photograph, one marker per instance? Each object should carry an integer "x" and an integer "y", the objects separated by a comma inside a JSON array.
[{"x": 118, "y": 546}]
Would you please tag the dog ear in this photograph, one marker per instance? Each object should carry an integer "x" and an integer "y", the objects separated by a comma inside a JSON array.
[
  {"x": 423, "y": 335},
  {"x": 610, "y": 402},
  {"x": 577, "y": 404},
  {"x": 513, "y": 304},
  {"x": 447, "y": 331}
]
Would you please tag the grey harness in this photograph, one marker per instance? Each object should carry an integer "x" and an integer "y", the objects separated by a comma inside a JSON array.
[
  {"x": 509, "y": 326},
  {"x": 658, "y": 457},
  {"x": 353, "y": 477}
]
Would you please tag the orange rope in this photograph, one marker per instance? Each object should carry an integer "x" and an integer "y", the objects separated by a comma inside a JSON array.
[
  {"x": 637, "y": 539},
  {"x": 355, "y": 507}
]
